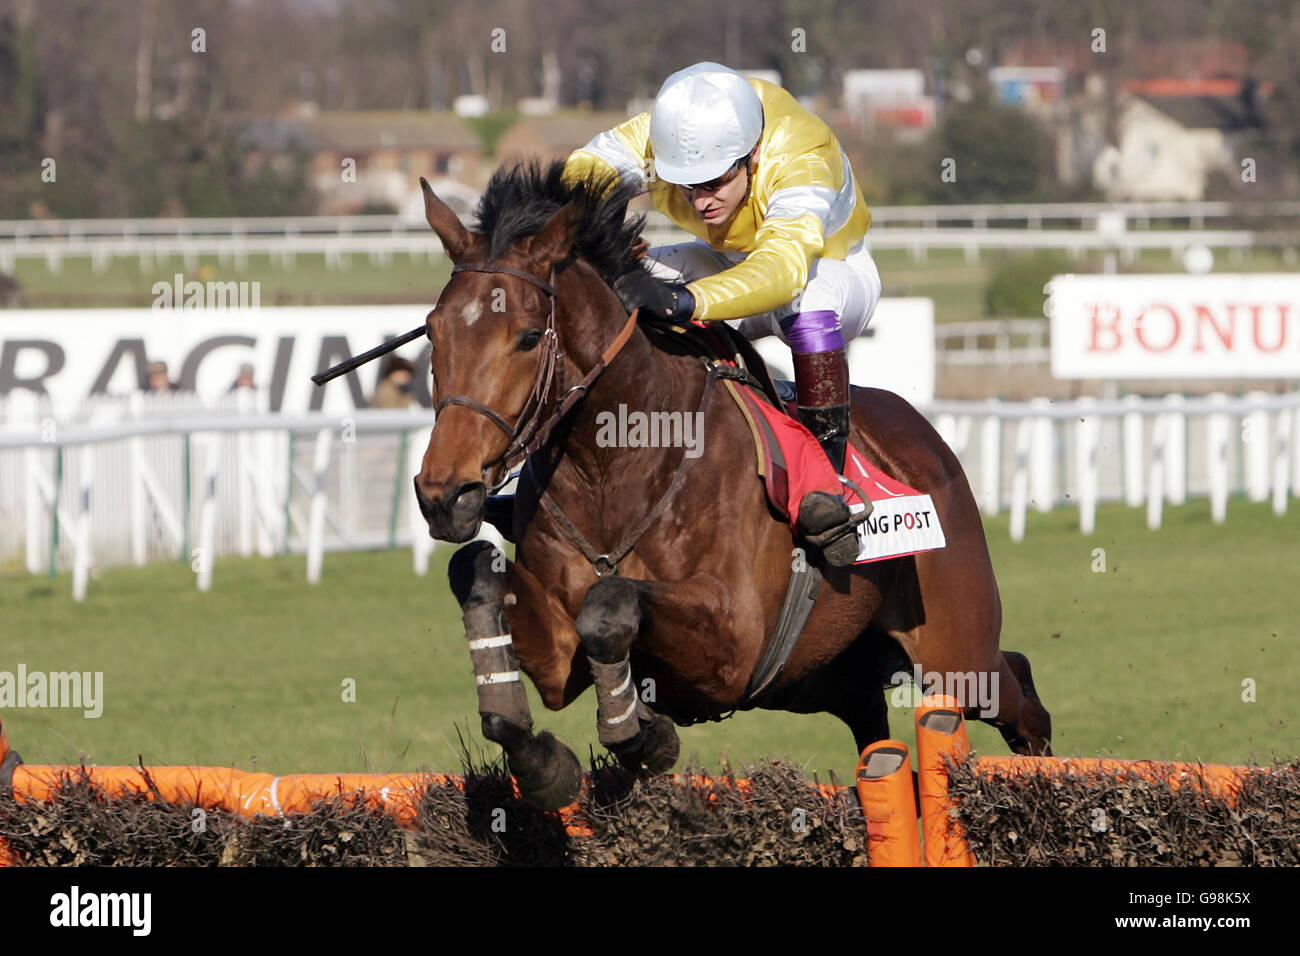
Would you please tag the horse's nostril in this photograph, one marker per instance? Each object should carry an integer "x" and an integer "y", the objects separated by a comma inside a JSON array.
[
  {"x": 468, "y": 499},
  {"x": 451, "y": 510}
]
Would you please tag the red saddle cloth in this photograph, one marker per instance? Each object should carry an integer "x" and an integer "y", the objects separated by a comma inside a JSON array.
[{"x": 903, "y": 520}]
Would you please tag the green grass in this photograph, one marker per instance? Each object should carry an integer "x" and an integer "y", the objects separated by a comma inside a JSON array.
[
  {"x": 1148, "y": 659},
  {"x": 123, "y": 283},
  {"x": 1145, "y": 660},
  {"x": 955, "y": 285}
]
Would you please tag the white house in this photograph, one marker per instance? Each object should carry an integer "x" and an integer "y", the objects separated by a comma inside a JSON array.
[{"x": 1171, "y": 136}]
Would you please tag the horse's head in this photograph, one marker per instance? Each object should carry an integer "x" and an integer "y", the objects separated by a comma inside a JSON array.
[{"x": 497, "y": 368}]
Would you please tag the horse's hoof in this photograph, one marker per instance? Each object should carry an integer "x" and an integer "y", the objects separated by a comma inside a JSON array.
[
  {"x": 549, "y": 775},
  {"x": 653, "y": 750}
]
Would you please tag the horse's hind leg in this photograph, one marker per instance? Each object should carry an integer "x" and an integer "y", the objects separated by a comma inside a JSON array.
[
  {"x": 607, "y": 624},
  {"x": 547, "y": 771},
  {"x": 1022, "y": 720}
]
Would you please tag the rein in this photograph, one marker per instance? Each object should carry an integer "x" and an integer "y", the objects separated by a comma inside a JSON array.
[{"x": 529, "y": 432}]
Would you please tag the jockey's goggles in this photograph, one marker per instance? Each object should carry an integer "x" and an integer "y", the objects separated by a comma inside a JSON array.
[{"x": 713, "y": 185}]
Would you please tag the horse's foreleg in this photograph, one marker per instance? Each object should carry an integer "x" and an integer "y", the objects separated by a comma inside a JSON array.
[
  {"x": 607, "y": 625},
  {"x": 547, "y": 771}
]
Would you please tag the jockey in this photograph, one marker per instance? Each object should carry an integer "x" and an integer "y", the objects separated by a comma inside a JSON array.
[{"x": 765, "y": 187}]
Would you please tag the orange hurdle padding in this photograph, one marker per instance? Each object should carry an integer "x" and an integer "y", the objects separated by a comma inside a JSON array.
[
  {"x": 940, "y": 732},
  {"x": 237, "y": 791},
  {"x": 1220, "y": 781},
  {"x": 5, "y": 858},
  {"x": 258, "y": 794},
  {"x": 888, "y": 801}
]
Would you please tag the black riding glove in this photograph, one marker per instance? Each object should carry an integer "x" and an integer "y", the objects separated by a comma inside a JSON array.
[{"x": 638, "y": 289}]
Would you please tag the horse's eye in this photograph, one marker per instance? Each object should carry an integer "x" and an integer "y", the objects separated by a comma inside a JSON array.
[{"x": 528, "y": 340}]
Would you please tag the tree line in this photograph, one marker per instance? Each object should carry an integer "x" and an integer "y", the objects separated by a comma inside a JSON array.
[{"x": 140, "y": 105}]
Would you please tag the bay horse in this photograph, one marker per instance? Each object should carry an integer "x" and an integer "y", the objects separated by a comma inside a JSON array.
[{"x": 529, "y": 346}]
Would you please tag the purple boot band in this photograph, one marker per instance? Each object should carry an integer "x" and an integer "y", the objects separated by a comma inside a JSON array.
[{"x": 813, "y": 331}]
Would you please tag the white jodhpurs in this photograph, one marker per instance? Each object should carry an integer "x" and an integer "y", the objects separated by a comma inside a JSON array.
[{"x": 850, "y": 287}]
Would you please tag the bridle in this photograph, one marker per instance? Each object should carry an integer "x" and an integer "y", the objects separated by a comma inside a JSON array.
[{"x": 530, "y": 432}]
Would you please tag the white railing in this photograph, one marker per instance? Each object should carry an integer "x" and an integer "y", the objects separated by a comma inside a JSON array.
[
  {"x": 380, "y": 248},
  {"x": 1031, "y": 215},
  {"x": 1141, "y": 451},
  {"x": 196, "y": 487},
  {"x": 231, "y": 226},
  {"x": 156, "y": 250},
  {"x": 1128, "y": 244},
  {"x": 1103, "y": 227},
  {"x": 993, "y": 342},
  {"x": 1083, "y": 215}
]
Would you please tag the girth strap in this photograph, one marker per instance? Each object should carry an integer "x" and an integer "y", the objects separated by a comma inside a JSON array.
[{"x": 800, "y": 597}]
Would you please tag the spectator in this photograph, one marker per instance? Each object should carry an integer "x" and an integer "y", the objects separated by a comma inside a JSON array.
[
  {"x": 159, "y": 382},
  {"x": 244, "y": 379},
  {"x": 394, "y": 389}
]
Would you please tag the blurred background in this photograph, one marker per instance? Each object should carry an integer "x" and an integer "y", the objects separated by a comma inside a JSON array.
[
  {"x": 1086, "y": 217},
  {"x": 278, "y": 142},
  {"x": 1041, "y": 106}
]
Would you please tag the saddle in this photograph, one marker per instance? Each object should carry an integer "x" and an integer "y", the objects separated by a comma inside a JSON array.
[{"x": 791, "y": 462}]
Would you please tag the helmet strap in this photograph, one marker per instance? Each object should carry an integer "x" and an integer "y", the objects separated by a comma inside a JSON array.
[{"x": 749, "y": 177}]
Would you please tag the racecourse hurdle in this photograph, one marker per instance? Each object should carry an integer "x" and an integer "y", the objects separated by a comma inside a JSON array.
[
  {"x": 885, "y": 788},
  {"x": 258, "y": 794},
  {"x": 890, "y": 802}
]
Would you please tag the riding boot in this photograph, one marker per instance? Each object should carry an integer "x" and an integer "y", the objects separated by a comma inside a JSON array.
[{"x": 822, "y": 386}]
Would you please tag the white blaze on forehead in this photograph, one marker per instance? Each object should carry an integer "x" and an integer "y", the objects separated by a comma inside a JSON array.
[{"x": 472, "y": 311}]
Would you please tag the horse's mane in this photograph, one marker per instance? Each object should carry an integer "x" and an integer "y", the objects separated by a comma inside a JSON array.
[{"x": 519, "y": 200}]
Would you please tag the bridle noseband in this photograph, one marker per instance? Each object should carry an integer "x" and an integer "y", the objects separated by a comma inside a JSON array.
[{"x": 529, "y": 432}]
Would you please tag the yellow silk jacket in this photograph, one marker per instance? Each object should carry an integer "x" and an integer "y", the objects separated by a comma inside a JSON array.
[{"x": 803, "y": 204}]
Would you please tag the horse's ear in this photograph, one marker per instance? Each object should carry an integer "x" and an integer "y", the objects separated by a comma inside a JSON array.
[
  {"x": 553, "y": 241},
  {"x": 455, "y": 237}
]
